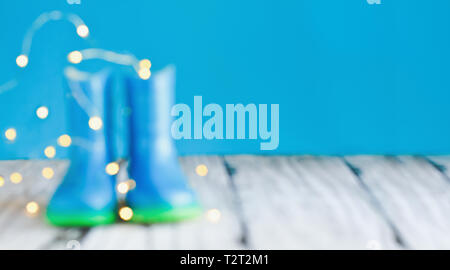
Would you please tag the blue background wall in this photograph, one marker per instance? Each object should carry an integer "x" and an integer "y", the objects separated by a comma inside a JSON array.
[{"x": 349, "y": 77}]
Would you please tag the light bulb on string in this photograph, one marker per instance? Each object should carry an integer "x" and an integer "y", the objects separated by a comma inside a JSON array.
[
  {"x": 131, "y": 184},
  {"x": 144, "y": 73},
  {"x": 15, "y": 178},
  {"x": 95, "y": 123},
  {"x": 50, "y": 151},
  {"x": 123, "y": 188},
  {"x": 11, "y": 134},
  {"x": 42, "y": 112},
  {"x": 48, "y": 173},
  {"x": 201, "y": 170},
  {"x": 126, "y": 186},
  {"x": 112, "y": 168},
  {"x": 125, "y": 213},
  {"x": 32, "y": 208},
  {"x": 64, "y": 140},
  {"x": 83, "y": 31},
  {"x": 145, "y": 64},
  {"x": 22, "y": 60},
  {"x": 75, "y": 57}
]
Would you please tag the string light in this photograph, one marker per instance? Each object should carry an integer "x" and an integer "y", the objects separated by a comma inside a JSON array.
[
  {"x": 213, "y": 215},
  {"x": 112, "y": 168},
  {"x": 125, "y": 213},
  {"x": 123, "y": 188},
  {"x": 144, "y": 73},
  {"x": 83, "y": 31},
  {"x": 95, "y": 123},
  {"x": 50, "y": 151},
  {"x": 131, "y": 184},
  {"x": 38, "y": 23},
  {"x": 2, "y": 181},
  {"x": 48, "y": 173},
  {"x": 32, "y": 208},
  {"x": 15, "y": 178},
  {"x": 42, "y": 112},
  {"x": 75, "y": 57},
  {"x": 22, "y": 60},
  {"x": 64, "y": 140},
  {"x": 11, "y": 134},
  {"x": 201, "y": 170},
  {"x": 145, "y": 64}
]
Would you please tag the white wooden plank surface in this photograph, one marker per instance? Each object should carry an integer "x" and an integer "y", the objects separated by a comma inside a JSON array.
[
  {"x": 306, "y": 203},
  {"x": 415, "y": 196},
  {"x": 443, "y": 162},
  {"x": 266, "y": 202},
  {"x": 213, "y": 191},
  {"x": 19, "y": 230}
]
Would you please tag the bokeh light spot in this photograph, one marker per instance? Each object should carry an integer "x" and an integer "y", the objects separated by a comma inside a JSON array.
[
  {"x": 201, "y": 170},
  {"x": 15, "y": 178},
  {"x": 144, "y": 73},
  {"x": 122, "y": 188},
  {"x": 32, "y": 208},
  {"x": 125, "y": 213},
  {"x": 112, "y": 168},
  {"x": 11, "y": 134},
  {"x": 213, "y": 215},
  {"x": 48, "y": 173},
  {"x": 42, "y": 112},
  {"x": 95, "y": 123},
  {"x": 50, "y": 151},
  {"x": 145, "y": 64},
  {"x": 83, "y": 31},
  {"x": 75, "y": 57},
  {"x": 22, "y": 60},
  {"x": 64, "y": 140}
]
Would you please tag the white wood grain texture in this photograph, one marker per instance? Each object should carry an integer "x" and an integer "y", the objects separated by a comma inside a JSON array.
[
  {"x": 414, "y": 195},
  {"x": 442, "y": 161},
  {"x": 116, "y": 237},
  {"x": 214, "y": 192},
  {"x": 19, "y": 230},
  {"x": 9, "y": 190},
  {"x": 306, "y": 203}
]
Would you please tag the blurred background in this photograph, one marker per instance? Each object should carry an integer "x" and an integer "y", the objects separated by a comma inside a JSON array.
[{"x": 350, "y": 77}]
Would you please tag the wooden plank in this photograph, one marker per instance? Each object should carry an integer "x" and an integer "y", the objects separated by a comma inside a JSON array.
[
  {"x": 20, "y": 230},
  {"x": 214, "y": 193},
  {"x": 414, "y": 195},
  {"x": 306, "y": 203},
  {"x": 9, "y": 189},
  {"x": 209, "y": 231},
  {"x": 116, "y": 236},
  {"x": 441, "y": 163}
]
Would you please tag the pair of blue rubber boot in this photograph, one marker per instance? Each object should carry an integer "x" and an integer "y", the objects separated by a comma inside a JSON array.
[{"x": 87, "y": 194}]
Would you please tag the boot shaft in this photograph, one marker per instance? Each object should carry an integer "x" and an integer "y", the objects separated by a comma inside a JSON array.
[{"x": 89, "y": 106}]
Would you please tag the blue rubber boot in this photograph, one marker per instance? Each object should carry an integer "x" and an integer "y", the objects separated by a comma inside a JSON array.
[
  {"x": 161, "y": 193},
  {"x": 86, "y": 197}
]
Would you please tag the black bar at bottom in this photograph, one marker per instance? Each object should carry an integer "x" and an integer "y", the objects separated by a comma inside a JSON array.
[{"x": 219, "y": 259}]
